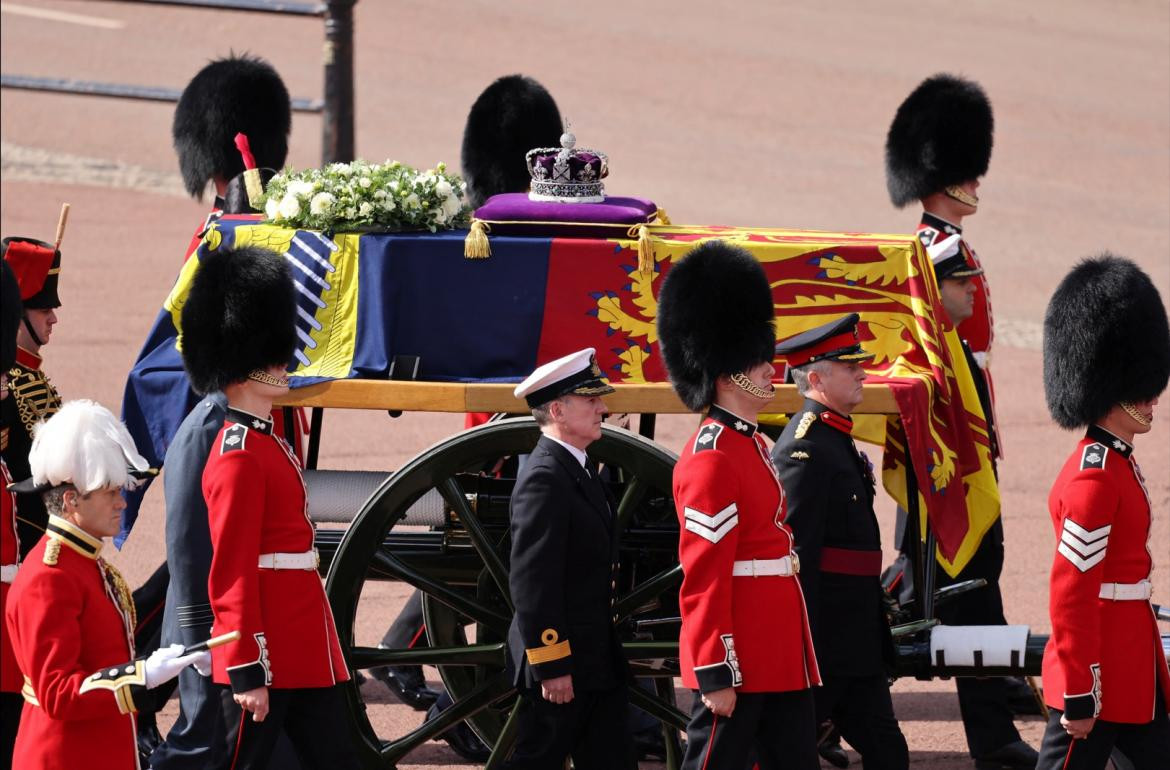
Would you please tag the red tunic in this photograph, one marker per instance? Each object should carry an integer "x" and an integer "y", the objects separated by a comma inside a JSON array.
[
  {"x": 67, "y": 621},
  {"x": 256, "y": 504},
  {"x": 10, "y": 678},
  {"x": 1104, "y": 656},
  {"x": 748, "y": 632}
]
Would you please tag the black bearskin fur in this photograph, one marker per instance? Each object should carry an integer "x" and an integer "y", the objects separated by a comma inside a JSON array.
[
  {"x": 716, "y": 316},
  {"x": 10, "y": 314},
  {"x": 1106, "y": 340},
  {"x": 513, "y": 115},
  {"x": 240, "y": 315},
  {"x": 941, "y": 136},
  {"x": 229, "y": 96}
]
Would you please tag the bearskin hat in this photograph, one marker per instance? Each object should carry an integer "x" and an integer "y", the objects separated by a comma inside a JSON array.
[
  {"x": 512, "y": 116},
  {"x": 715, "y": 317},
  {"x": 239, "y": 94},
  {"x": 1106, "y": 341},
  {"x": 10, "y": 313},
  {"x": 240, "y": 315},
  {"x": 941, "y": 136}
]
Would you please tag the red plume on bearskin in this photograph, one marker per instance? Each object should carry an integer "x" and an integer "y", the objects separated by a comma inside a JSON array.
[
  {"x": 512, "y": 116},
  {"x": 1106, "y": 341},
  {"x": 240, "y": 315},
  {"x": 941, "y": 136},
  {"x": 716, "y": 317},
  {"x": 239, "y": 94}
]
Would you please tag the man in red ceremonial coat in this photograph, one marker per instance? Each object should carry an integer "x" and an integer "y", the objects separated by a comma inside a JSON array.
[
  {"x": 11, "y": 703},
  {"x": 745, "y": 645},
  {"x": 1106, "y": 361},
  {"x": 238, "y": 337},
  {"x": 69, "y": 614}
]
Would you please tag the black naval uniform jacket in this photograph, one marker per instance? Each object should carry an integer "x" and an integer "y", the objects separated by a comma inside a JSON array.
[
  {"x": 563, "y": 575},
  {"x": 830, "y": 489}
]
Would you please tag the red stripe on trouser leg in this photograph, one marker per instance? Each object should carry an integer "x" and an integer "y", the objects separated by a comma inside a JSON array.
[{"x": 711, "y": 740}]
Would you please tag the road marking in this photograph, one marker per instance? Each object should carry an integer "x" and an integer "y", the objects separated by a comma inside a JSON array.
[
  {"x": 61, "y": 16},
  {"x": 30, "y": 164}
]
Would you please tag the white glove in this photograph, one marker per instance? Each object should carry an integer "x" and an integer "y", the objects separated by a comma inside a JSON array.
[{"x": 165, "y": 663}]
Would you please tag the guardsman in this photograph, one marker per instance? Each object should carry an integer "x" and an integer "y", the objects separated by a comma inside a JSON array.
[
  {"x": 830, "y": 489},
  {"x": 564, "y": 652},
  {"x": 745, "y": 645},
  {"x": 69, "y": 613},
  {"x": 1106, "y": 361},
  {"x": 239, "y": 333},
  {"x": 10, "y": 679},
  {"x": 37, "y": 266}
]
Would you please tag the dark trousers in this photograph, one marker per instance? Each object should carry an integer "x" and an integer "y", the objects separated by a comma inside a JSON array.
[
  {"x": 779, "y": 726},
  {"x": 863, "y": 712},
  {"x": 1147, "y": 745},
  {"x": 591, "y": 728},
  {"x": 11, "y": 704},
  {"x": 314, "y": 718},
  {"x": 198, "y": 739}
]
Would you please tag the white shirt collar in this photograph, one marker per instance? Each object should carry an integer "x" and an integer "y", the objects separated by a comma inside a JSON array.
[{"x": 578, "y": 453}]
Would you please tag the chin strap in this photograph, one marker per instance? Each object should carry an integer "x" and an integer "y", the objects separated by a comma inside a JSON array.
[
  {"x": 258, "y": 375},
  {"x": 752, "y": 389},
  {"x": 1132, "y": 411},
  {"x": 962, "y": 196},
  {"x": 32, "y": 332}
]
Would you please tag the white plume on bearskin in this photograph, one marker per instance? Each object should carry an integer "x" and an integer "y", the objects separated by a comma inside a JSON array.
[
  {"x": 1106, "y": 341},
  {"x": 513, "y": 115},
  {"x": 716, "y": 317},
  {"x": 941, "y": 136},
  {"x": 85, "y": 445}
]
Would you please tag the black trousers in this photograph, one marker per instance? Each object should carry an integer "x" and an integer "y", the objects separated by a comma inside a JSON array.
[
  {"x": 11, "y": 704},
  {"x": 1147, "y": 745},
  {"x": 863, "y": 712},
  {"x": 591, "y": 728},
  {"x": 314, "y": 718},
  {"x": 779, "y": 726}
]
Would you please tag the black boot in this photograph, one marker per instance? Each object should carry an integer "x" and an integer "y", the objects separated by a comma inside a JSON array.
[{"x": 407, "y": 684}]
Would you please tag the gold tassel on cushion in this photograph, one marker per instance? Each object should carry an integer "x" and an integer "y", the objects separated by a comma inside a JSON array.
[
  {"x": 645, "y": 247},
  {"x": 475, "y": 245},
  {"x": 661, "y": 218}
]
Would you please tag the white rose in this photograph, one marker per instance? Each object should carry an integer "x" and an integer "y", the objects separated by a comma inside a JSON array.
[
  {"x": 438, "y": 216},
  {"x": 451, "y": 207},
  {"x": 412, "y": 201},
  {"x": 365, "y": 181},
  {"x": 444, "y": 188},
  {"x": 379, "y": 194},
  {"x": 289, "y": 206},
  {"x": 366, "y": 208},
  {"x": 321, "y": 204},
  {"x": 272, "y": 209},
  {"x": 393, "y": 185},
  {"x": 341, "y": 169},
  {"x": 388, "y": 204},
  {"x": 300, "y": 189},
  {"x": 350, "y": 213}
]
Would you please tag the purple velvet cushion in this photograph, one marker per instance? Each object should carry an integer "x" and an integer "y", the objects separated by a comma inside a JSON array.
[{"x": 515, "y": 214}]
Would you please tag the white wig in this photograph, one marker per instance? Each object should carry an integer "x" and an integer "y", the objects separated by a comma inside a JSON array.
[{"x": 85, "y": 445}]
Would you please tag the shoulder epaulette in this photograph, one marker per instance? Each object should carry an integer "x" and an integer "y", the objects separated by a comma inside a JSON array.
[
  {"x": 233, "y": 438},
  {"x": 806, "y": 421},
  {"x": 708, "y": 437},
  {"x": 1093, "y": 456},
  {"x": 52, "y": 552}
]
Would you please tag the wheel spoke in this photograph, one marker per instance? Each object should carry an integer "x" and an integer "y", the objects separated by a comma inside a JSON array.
[
  {"x": 658, "y": 708},
  {"x": 455, "y": 497},
  {"x": 491, "y": 655},
  {"x": 631, "y": 499},
  {"x": 507, "y": 737},
  {"x": 460, "y": 602},
  {"x": 649, "y": 589},
  {"x": 490, "y": 691}
]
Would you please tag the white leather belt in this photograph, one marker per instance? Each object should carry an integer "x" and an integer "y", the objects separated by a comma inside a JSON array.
[
  {"x": 1127, "y": 592},
  {"x": 306, "y": 560},
  {"x": 8, "y": 572},
  {"x": 786, "y": 566}
]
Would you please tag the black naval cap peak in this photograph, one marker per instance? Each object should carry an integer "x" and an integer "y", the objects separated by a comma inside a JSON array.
[{"x": 836, "y": 340}]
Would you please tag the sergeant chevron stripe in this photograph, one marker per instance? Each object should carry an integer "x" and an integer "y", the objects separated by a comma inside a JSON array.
[
  {"x": 711, "y": 528},
  {"x": 1085, "y": 548}
]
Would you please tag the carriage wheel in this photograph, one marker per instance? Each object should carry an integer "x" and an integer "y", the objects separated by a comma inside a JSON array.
[{"x": 462, "y": 573}]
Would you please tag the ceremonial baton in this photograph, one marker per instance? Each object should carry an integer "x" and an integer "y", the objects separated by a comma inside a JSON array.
[
  {"x": 214, "y": 641},
  {"x": 61, "y": 225}
]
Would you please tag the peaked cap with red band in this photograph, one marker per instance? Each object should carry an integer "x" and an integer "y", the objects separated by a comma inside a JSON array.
[
  {"x": 833, "y": 341},
  {"x": 36, "y": 265}
]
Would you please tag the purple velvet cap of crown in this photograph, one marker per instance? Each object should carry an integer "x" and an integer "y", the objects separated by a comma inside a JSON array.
[{"x": 516, "y": 214}]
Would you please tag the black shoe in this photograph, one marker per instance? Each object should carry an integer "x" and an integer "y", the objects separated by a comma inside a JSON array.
[
  {"x": 833, "y": 754},
  {"x": 1017, "y": 755},
  {"x": 648, "y": 745},
  {"x": 1022, "y": 699},
  {"x": 149, "y": 739},
  {"x": 405, "y": 685},
  {"x": 460, "y": 738}
]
